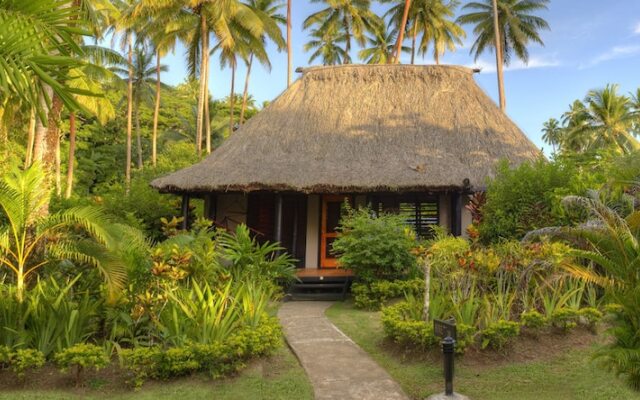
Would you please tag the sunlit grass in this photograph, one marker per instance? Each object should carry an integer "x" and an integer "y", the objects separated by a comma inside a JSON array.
[{"x": 567, "y": 376}]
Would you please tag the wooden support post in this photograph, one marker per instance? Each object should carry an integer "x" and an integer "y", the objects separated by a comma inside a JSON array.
[
  {"x": 210, "y": 206},
  {"x": 456, "y": 214},
  {"x": 277, "y": 234},
  {"x": 185, "y": 212},
  {"x": 294, "y": 240}
]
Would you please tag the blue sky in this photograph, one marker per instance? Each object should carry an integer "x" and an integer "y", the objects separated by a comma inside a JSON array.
[{"x": 591, "y": 43}]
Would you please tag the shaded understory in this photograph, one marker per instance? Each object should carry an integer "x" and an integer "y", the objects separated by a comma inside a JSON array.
[
  {"x": 278, "y": 377},
  {"x": 556, "y": 367}
]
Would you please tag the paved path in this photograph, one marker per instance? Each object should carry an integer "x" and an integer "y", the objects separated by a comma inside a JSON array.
[{"x": 337, "y": 367}]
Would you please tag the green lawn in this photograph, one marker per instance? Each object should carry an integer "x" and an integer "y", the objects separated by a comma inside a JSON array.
[
  {"x": 567, "y": 376},
  {"x": 275, "y": 378}
]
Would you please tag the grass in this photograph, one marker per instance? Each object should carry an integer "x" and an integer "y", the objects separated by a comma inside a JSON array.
[
  {"x": 570, "y": 375},
  {"x": 279, "y": 377}
]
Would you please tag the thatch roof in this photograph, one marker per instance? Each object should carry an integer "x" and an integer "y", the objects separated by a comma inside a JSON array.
[{"x": 362, "y": 128}]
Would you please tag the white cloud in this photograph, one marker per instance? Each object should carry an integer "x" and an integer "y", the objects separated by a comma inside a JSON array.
[
  {"x": 614, "y": 53},
  {"x": 534, "y": 62},
  {"x": 636, "y": 29}
]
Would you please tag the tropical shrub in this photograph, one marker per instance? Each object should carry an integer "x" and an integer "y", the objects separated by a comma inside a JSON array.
[
  {"x": 24, "y": 360},
  {"x": 525, "y": 198},
  {"x": 533, "y": 319},
  {"x": 612, "y": 243},
  {"x": 374, "y": 295},
  {"x": 375, "y": 246},
  {"x": 499, "y": 334},
  {"x": 81, "y": 357},
  {"x": 218, "y": 358}
]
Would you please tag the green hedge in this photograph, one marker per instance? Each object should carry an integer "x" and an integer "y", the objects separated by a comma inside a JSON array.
[
  {"x": 375, "y": 295},
  {"x": 218, "y": 358},
  {"x": 399, "y": 326}
]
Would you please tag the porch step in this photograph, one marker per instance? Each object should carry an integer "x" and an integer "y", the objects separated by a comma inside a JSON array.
[{"x": 320, "y": 287}]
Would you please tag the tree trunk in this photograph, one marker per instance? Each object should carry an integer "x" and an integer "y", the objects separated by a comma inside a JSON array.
[
  {"x": 127, "y": 170},
  {"x": 403, "y": 26},
  {"x": 436, "y": 55},
  {"x": 289, "y": 55},
  {"x": 413, "y": 42},
  {"x": 136, "y": 114},
  {"x": 72, "y": 154},
  {"x": 207, "y": 116},
  {"x": 28, "y": 159},
  {"x": 427, "y": 288},
  {"x": 499, "y": 56},
  {"x": 245, "y": 95},
  {"x": 39, "y": 142},
  {"x": 58, "y": 165},
  {"x": 347, "y": 34},
  {"x": 156, "y": 114},
  {"x": 201, "y": 97},
  {"x": 232, "y": 96}
]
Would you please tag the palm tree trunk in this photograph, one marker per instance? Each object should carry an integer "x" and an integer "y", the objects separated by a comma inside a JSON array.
[
  {"x": 51, "y": 156},
  {"x": 347, "y": 34},
  {"x": 138, "y": 138},
  {"x": 436, "y": 56},
  {"x": 58, "y": 166},
  {"x": 499, "y": 55},
  {"x": 231, "y": 96},
  {"x": 156, "y": 113},
  {"x": 127, "y": 171},
  {"x": 289, "y": 55},
  {"x": 413, "y": 42},
  {"x": 202, "y": 94},
  {"x": 403, "y": 25},
  {"x": 28, "y": 159},
  {"x": 207, "y": 117},
  {"x": 72, "y": 154},
  {"x": 245, "y": 95}
]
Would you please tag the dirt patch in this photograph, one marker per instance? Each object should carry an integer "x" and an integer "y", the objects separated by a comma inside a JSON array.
[{"x": 525, "y": 348}]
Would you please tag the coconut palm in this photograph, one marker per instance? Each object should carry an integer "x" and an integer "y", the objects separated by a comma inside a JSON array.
[
  {"x": 143, "y": 84},
  {"x": 29, "y": 241},
  {"x": 347, "y": 19},
  {"x": 42, "y": 48},
  {"x": 517, "y": 26},
  {"x": 327, "y": 45},
  {"x": 381, "y": 47},
  {"x": 605, "y": 120},
  {"x": 552, "y": 133},
  {"x": 431, "y": 19},
  {"x": 268, "y": 11}
]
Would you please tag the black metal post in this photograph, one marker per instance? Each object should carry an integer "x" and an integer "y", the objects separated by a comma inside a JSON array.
[
  {"x": 448, "y": 349},
  {"x": 185, "y": 212}
]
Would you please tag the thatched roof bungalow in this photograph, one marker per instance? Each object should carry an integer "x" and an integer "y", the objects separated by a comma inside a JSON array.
[{"x": 412, "y": 139}]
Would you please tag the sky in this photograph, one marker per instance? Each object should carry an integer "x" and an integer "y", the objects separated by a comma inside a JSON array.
[{"x": 591, "y": 43}]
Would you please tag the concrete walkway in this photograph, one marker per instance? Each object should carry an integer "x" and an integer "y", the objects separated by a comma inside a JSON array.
[{"x": 337, "y": 367}]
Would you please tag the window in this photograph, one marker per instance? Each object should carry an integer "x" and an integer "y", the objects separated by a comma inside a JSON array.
[{"x": 420, "y": 211}]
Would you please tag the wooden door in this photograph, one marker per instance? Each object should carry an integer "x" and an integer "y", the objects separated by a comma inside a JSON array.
[{"x": 330, "y": 219}]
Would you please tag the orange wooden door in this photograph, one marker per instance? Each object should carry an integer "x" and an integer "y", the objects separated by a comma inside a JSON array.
[{"x": 330, "y": 219}]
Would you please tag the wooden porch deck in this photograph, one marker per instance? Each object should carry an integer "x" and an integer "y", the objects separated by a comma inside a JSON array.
[{"x": 324, "y": 272}]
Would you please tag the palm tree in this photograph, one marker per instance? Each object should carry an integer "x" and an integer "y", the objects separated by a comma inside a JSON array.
[
  {"x": 401, "y": 29},
  {"x": 267, "y": 10},
  {"x": 609, "y": 120},
  {"x": 382, "y": 45},
  {"x": 433, "y": 20},
  {"x": 573, "y": 121},
  {"x": 506, "y": 25},
  {"x": 143, "y": 84},
  {"x": 348, "y": 19},
  {"x": 328, "y": 46},
  {"x": 552, "y": 133},
  {"x": 289, "y": 50},
  {"x": 25, "y": 241}
]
